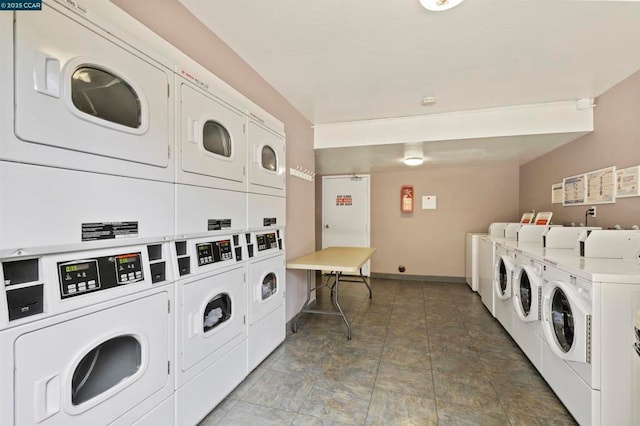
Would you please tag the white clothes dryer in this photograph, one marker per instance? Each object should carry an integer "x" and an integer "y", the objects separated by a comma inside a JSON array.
[
  {"x": 86, "y": 337},
  {"x": 267, "y": 314},
  {"x": 267, "y": 277},
  {"x": 211, "y": 134},
  {"x": 85, "y": 135},
  {"x": 503, "y": 285},
  {"x": 267, "y": 160},
  {"x": 211, "y": 330},
  {"x": 87, "y": 97}
]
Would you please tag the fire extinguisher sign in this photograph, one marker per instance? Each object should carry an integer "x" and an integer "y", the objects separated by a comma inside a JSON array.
[
  {"x": 344, "y": 200},
  {"x": 406, "y": 199}
]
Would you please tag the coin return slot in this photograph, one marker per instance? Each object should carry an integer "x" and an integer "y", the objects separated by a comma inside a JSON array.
[{"x": 155, "y": 252}]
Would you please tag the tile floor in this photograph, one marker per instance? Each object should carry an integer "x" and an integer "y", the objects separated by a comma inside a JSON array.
[{"x": 421, "y": 354}]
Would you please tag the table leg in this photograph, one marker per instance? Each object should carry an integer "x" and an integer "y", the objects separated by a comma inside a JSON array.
[
  {"x": 364, "y": 279},
  {"x": 337, "y": 305},
  {"x": 294, "y": 324}
]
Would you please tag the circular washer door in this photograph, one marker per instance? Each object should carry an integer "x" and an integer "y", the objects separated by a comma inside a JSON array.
[
  {"x": 566, "y": 321},
  {"x": 526, "y": 293},
  {"x": 503, "y": 275}
]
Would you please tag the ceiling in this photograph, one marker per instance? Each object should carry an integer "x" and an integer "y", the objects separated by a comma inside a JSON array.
[{"x": 340, "y": 61}]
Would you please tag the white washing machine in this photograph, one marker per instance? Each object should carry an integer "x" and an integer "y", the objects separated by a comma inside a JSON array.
[
  {"x": 635, "y": 395},
  {"x": 486, "y": 249},
  {"x": 586, "y": 357},
  {"x": 471, "y": 259},
  {"x": 267, "y": 275},
  {"x": 85, "y": 136},
  {"x": 266, "y": 161},
  {"x": 528, "y": 282},
  {"x": 86, "y": 337},
  {"x": 504, "y": 268},
  {"x": 486, "y": 264},
  {"x": 211, "y": 330}
]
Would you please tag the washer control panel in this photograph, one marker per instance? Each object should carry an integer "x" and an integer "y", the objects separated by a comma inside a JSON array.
[
  {"x": 213, "y": 252},
  {"x": 78, "y": 277},
  {"x": 267, "y": 241}
]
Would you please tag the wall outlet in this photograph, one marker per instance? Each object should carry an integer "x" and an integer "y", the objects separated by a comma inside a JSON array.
[{"x": 592, "y": 211}]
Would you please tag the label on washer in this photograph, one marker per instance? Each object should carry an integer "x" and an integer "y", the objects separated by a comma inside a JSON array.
[
  {"x": 269, "y": 221},
  {"x": 108, "y": 230},
  {"x": 218, "y": 224}
]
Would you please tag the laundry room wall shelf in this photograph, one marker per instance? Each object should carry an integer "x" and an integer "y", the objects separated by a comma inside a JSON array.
[{"x": 302, "y": 173}]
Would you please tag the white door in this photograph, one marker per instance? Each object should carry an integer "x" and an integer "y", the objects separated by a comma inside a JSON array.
[
  {"x": 345, "y": 212},
  {"x": 213, "y": 313},
  {"x": 94, "y": 368},
  {"x": 267, "y": 287},
  {"x": 212, "y": 141},
  {"x": 266, "y": 161},
  {"x": 89, "y": 95}
]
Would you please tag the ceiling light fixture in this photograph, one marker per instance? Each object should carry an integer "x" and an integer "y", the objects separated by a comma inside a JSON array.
[
  {"x": 413, "y": 155},
  {"x": 439, "y": 5},
  {"x": 413, "y": 161}
]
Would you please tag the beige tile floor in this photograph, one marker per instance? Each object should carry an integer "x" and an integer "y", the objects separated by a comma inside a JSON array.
[{"x": 422, "y": 353}]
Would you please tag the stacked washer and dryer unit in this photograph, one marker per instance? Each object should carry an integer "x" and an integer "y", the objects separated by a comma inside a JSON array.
[
  {"x": 86, "y": 216},
  {"x": 135, "y": 199}
]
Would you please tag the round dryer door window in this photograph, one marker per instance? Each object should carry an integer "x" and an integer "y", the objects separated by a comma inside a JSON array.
[
  {"x": 104, "y": 367},
  {"x": 216, "y": 139},
  {"x": 106, "y": 96},
  {"x": 269, "y": 159},
  {"x": 562, "y": 320},
  {"x": 217, "y": 311},
  {"x": 269, "y": 286}
]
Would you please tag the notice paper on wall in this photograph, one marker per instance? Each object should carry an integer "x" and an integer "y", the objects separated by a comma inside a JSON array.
[
  {"x": 428, "y": 202},
  {"x": 601, "y": 186},
  {"x": 574, "y": 190},
  {"x": 627, "y": 182}
]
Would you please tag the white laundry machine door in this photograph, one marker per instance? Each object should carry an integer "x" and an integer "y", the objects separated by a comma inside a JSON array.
[
  {"x": 98, "y": 104},
  {"x": 93, "y": 368},
  {"x": 213, "y": 313},
  {"x": 267, "y": 172},
  {"x": 527, "y": 296},
  {"x": 566, "y": 322},
  {"x": 213, "y": 145},
  {"x": 503, "y": 276},
  {"x": 267, "y": 293}
]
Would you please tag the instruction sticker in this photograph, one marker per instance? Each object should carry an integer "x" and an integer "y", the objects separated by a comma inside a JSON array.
[
  {"x": 269, "y": 221},
  {"x": 218, "y": 224},
  {"x": 109, "y": 230}
]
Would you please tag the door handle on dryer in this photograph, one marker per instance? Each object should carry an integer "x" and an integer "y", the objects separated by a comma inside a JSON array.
[
  {"x": 193, "y": 130},
  {"x": 46, "y": 74},
  {"x": 194, "y": 326},
  {"x": 47, "y": 397}
]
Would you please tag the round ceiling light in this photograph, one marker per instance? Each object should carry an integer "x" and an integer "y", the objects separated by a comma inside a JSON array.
[
  {"x": 413, "y": 161},
  {"x": 439, "y": 5}
]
